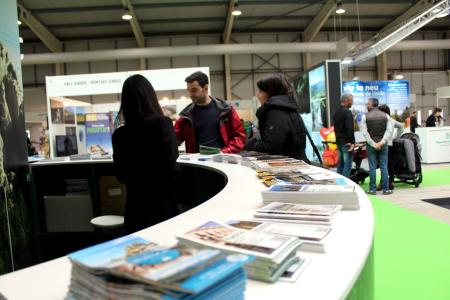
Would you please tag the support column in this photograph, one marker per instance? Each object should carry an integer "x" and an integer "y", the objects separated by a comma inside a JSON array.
[
  {"x": 227, "y": 76},
  {"x": 382, "y": 66}
]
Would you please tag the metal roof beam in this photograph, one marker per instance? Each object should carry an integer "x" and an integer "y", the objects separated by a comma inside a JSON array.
[
  {"x": 319, "y": 20},
  {"x": 420, "y": 6},
  {"x": 137, "y": 31},
  {"x": 39, "y": 29}
]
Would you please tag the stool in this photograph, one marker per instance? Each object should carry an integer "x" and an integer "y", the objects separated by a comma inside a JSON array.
[
  {"x": 108, "y": 226},
  {"x": 108, "y": 221}
]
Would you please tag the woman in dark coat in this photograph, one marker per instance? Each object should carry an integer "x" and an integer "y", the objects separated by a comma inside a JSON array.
[
  {"x": 145, "y": 152},
  {"x": 281, "y": 127}
]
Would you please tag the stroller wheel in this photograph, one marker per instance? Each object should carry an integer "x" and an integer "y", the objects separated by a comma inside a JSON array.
[{"x": 420, "y": 178}]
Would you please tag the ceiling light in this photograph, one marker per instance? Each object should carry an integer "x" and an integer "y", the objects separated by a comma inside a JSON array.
[
  {"x": 21, "y": 56},
  {"x": 127, "y": 15},
  {"x": 399, "y": 76},
  {"x": 20, "y": 39},
  {"x": 443, "y": 14},
  {"x": 236, "y": 11},
  {"x": 356, "y": 78},
  {"x": 340, "y": 9},
  {"x": 19, "y": 22}
]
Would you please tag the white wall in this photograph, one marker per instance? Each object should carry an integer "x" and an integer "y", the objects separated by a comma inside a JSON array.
[{"x": 425, "y": 69}]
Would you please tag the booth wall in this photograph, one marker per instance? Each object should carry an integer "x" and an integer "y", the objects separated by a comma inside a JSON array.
[
  {"x": 426, "y": 70},
  {"x": 15, "y": 231}
]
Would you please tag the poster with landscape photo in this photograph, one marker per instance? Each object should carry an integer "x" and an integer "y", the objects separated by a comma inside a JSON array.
[{"x": 69, "y": 115}]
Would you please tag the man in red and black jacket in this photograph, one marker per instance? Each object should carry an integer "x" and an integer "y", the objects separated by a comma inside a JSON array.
[{"x": 208, "y": 121}]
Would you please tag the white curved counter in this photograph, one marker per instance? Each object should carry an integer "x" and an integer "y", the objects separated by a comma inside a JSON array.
[{"x": 328, "y": 276}]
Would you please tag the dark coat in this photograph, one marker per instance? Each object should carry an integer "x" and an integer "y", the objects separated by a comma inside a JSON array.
[
  {"x": 344, "y": 127},
  {"x": 281, "y": 128},
  {"x": 145, "y": 155},
  {"x": 231, "y": 128}
]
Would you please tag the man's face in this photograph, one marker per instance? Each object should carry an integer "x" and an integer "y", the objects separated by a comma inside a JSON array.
[
  {"x": 438, "y": 114},
  {"x": 369, "y": 105},
  {"x": 197, "y": 93}
]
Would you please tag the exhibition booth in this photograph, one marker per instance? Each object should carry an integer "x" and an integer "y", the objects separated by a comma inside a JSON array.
[
  {"x": 80, "y": 127},
  {"x": 435, "y": 141}
]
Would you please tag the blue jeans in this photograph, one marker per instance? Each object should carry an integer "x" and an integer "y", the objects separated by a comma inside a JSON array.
[
  {"x": 344, "y": 166},
  {"x": 378, "y": 158}
]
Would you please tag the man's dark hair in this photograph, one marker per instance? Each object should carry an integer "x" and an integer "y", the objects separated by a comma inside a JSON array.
[
  {"x": 437, "y": 109},
  {"x": 274, "y": 84},
  {"x": 414, "y": 112},
  {"x": 374, "y": 101},
  {"x": 138, "y": 99},
  {"x": 384, "y": 108},
  {"x": 198, "y": 76}
]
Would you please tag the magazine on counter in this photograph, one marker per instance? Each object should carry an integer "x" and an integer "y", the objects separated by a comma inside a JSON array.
[
  {"x": 312, "y": 188},
  {"x": 143, "y": 261},
  {"x": 299, "y": 209},
  {"x": 294, "y": 272},
  {"x": 305, "y": 232},
  {"x": 224, "y": 237}
]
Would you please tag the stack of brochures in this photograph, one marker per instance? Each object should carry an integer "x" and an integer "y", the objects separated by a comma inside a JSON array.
[
  {"x": 314, "y": 237},
  {"x": 270, "y": 178},
  {"x": 344, "y": 195},
  {"x": 298, "y": 213},
  {"x": 134, "y": 268},
  {"x": 274, "y": 254}
]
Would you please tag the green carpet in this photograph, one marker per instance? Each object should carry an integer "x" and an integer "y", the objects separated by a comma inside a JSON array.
[
  {"x": 411, "y": 252},
  {"x": 431, "y": 178}
]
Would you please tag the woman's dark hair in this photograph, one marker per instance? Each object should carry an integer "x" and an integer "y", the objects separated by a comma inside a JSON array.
[
  {"x": 274, "y": 84},
  {"x": 384, "y": 108},
  {"x": 437, "y": 109},
  {"x": 138, "y": 99}
]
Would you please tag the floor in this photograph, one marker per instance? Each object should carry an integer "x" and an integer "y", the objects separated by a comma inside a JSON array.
[{"x": 436, "y": 184}]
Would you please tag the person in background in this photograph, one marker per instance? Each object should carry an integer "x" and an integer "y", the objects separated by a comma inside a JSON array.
[
  {"x": 434, "y": 118},
  {"x": 396, "y": 133},
  {"x": 344, "y": 130},
  {"x": 208, "y": 121},
  {"x": 413, "y": 122},
  {"x": 31, "y": 150},
  {"x": 377, "y": 128},
  {"x": 281, "y": 127},
  {"x": 145, "y": 151}
]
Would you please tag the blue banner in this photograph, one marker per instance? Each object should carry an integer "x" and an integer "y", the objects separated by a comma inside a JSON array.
[{"x": 394, "y": 93}]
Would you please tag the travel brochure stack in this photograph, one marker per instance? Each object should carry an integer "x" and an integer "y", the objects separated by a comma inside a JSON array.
[
  {"x": 134, "y": 268},
  {"x": 274, "y": 254},
  {"x": 314, "y": 237},
  {"x": 344, "y": 195},
  {"x": 294, "y": 181}
]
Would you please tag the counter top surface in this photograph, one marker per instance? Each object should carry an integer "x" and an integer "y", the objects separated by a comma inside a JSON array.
[{"x": 328, "y": 276}]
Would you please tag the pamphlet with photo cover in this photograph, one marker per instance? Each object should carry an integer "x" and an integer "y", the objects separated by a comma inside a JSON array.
[
  {"x": 142, "y": 261},
  {"x": 305, "y": 232}
]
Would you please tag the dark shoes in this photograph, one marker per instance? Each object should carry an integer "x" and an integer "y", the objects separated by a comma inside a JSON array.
[
  {"x": 387, "y": 192},
  {"x": 372, "y": 192},
  {"x": 391, "y": 187}
]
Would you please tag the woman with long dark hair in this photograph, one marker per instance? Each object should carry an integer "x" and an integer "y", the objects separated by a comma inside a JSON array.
[
  {"x": 145, "y": 152},
  {"x": 281, "y": 127}
]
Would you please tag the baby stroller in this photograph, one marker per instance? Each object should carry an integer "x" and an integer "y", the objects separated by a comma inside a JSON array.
[
  {"x": 406, "y": 159},
  {"x": 359, "y": 174}
]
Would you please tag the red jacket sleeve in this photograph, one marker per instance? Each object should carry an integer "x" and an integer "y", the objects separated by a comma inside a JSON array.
[
  {"x": 179, "y": 130},
  {"x": 236, "y": 133}
]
